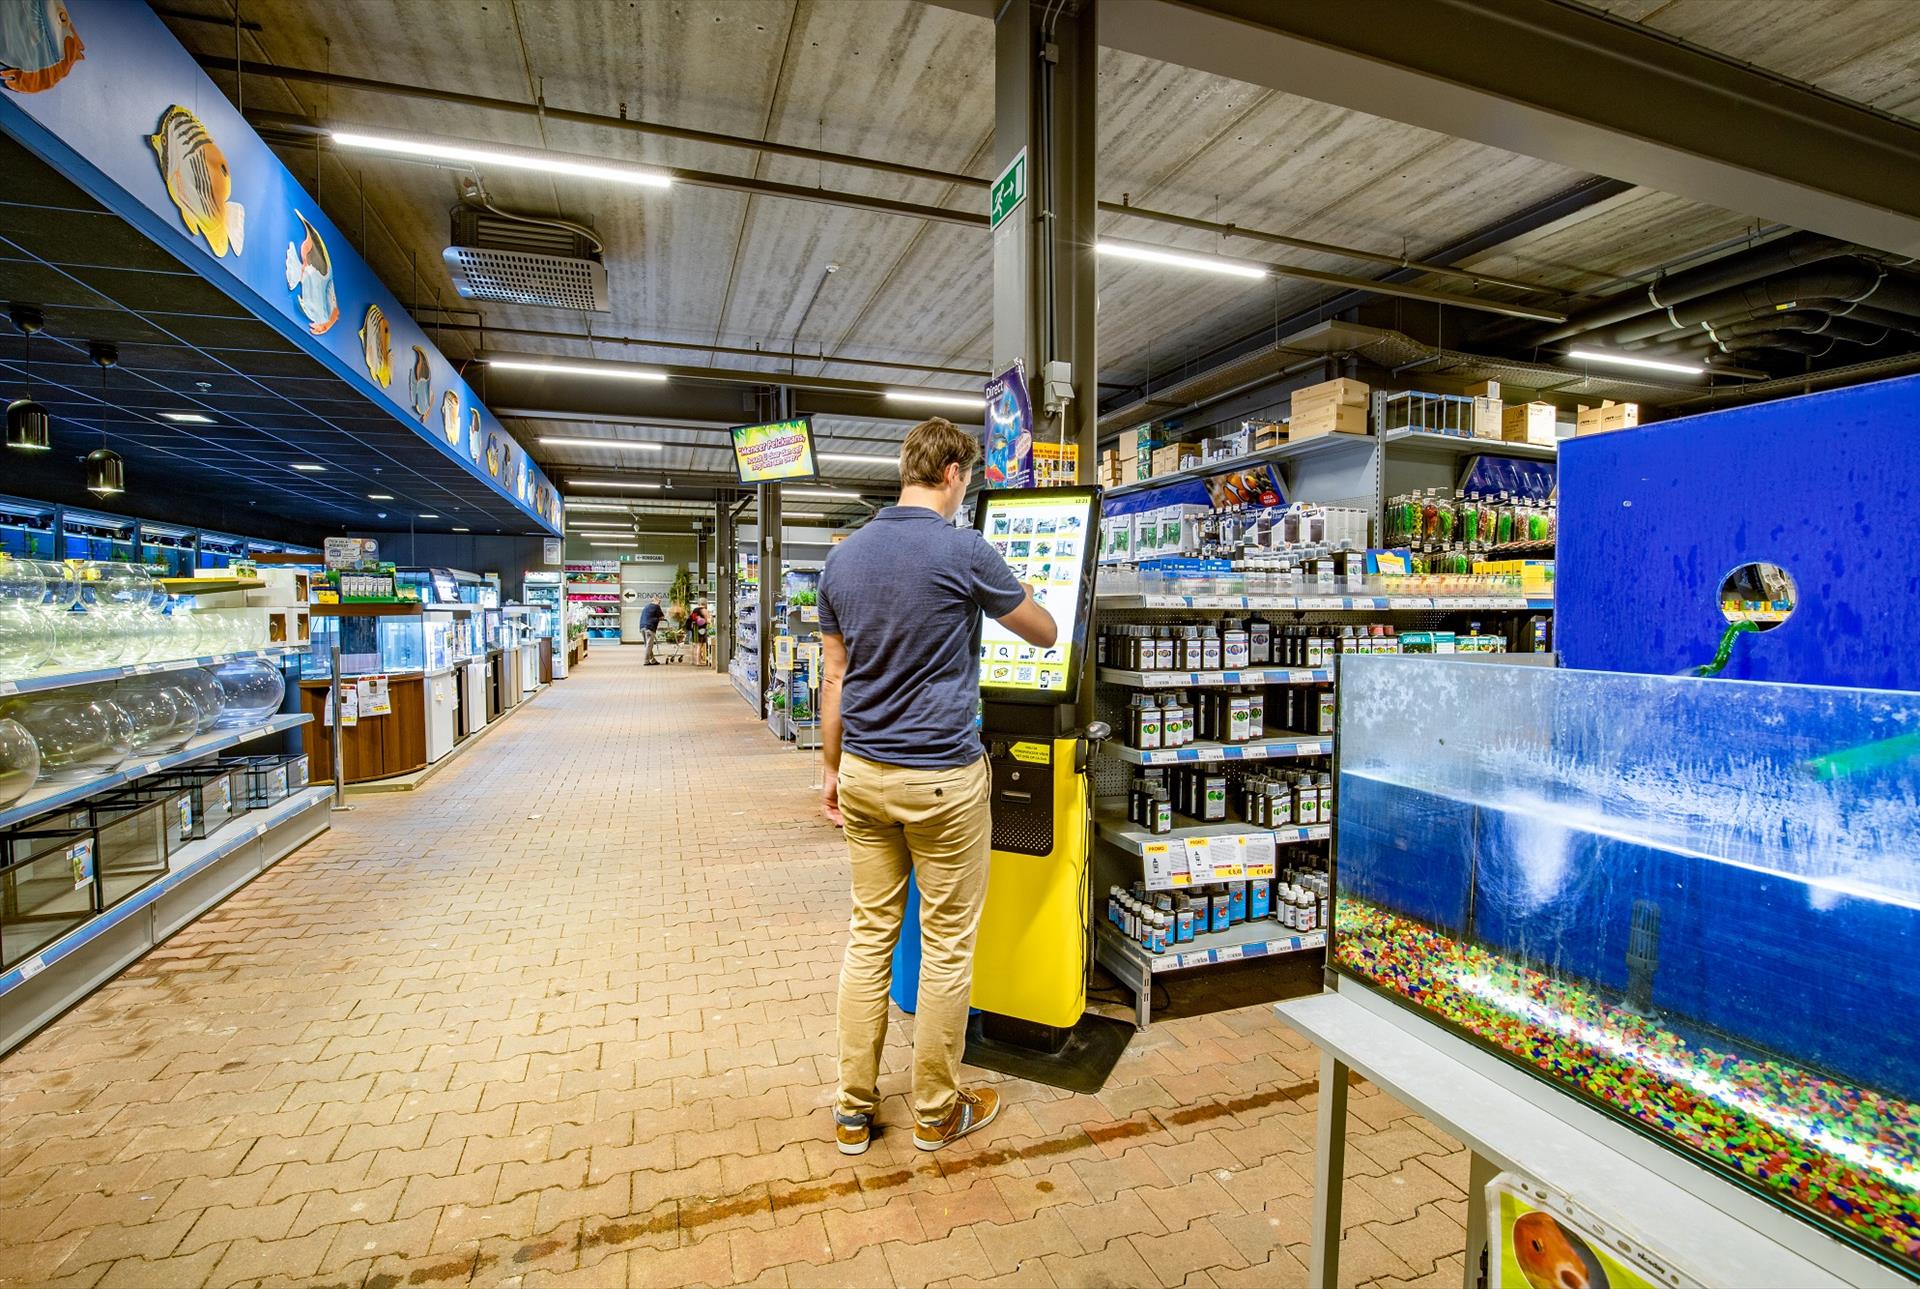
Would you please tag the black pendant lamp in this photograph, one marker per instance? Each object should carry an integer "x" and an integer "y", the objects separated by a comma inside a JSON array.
[
  {"x": 29, "y": 428},
  {"x": 106, "y": 472}
]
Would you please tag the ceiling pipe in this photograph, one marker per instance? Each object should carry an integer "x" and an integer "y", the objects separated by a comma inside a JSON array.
[
  {"x": 1794, "y": 251},
  {"x": 1318, "y": 248},
  {"x": 743, "y": 351},
  {"x": 1851, "y": 279}
]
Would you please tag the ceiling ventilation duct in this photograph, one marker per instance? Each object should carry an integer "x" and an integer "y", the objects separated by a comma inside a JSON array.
[{"x": 521, "y": 259}]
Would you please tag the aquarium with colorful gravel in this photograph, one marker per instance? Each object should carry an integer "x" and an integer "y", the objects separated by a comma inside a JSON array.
[{"x": 1694, "y": 903}]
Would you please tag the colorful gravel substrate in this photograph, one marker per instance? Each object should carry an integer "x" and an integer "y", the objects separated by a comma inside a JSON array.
[{"x": 1847, "y": 1155}]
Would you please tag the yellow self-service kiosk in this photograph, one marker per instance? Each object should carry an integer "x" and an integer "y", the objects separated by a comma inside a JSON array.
[{"x": 1034, "y": 951}]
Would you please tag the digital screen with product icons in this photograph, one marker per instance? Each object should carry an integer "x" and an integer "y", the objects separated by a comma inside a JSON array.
[{"x": 1042, "y": 534}]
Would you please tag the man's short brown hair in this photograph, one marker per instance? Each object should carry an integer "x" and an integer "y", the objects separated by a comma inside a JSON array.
[{"x": 933, "y": 445}]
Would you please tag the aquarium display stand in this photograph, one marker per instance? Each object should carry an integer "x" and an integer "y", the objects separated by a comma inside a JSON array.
[{"x": 1513, "y": 1121}]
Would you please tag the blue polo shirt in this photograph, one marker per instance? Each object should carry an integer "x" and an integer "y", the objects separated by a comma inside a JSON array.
[{"x": 906, "y": 593}]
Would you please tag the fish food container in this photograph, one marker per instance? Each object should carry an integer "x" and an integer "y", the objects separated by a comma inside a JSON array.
[{"x": 47, "y": 888}]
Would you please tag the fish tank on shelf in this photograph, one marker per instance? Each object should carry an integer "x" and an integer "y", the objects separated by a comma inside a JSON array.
[
  {"x": 369, "y": 646},
  {"x": 1694, "y": 904}
]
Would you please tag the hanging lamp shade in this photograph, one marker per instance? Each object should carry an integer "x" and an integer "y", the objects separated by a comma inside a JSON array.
[
  {"x": 106, "y": 473},
  {"x": 29, "y": 428}
]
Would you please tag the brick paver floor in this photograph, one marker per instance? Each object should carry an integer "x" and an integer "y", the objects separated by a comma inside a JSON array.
[{"x": 564, "y": 1016}]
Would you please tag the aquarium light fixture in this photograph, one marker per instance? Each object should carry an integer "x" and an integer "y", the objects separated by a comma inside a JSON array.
[
  {"x": 611, "y": 371},
  {"x": 626, "y": 445},
  {"x": 187, "y": 418},
  {"x": 504, "y": 155},
  {"x": 1627, "y": 360},
  {"x": 309, "y": 467},
  {"x": 859, "y": 458},
  {"x": 938, "y": 398},
  {"x": 1181, "y": 259},
  {"x": 613, "y": 483}
]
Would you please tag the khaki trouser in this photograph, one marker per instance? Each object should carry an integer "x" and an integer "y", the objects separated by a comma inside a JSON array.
[{"x": 936, "y": 824}]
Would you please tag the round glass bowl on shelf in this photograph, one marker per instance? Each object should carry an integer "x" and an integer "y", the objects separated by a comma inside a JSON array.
[
  {"x": 163, "y": 712},
  {"x": 19, "y": 761},
  {"x": 79, "y": 734},
  {"x": 253, "y": 689},
  {"x": 209, "y": 699}
]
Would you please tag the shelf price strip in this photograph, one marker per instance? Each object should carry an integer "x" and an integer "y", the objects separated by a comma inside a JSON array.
[{"x": 1158, "y": 963}]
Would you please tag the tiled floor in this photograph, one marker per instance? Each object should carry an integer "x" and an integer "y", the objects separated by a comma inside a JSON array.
[{"x": 564, "y": 1016}]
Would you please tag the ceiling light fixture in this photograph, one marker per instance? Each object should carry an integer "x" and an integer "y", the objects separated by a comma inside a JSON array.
[
  {"x": 803, "y": 514},
  {"x": 379, "y": 496},
  {"x": 1181, "y": 259},
  {"x": 308, "y": 467},
  {"x": 607, "y": 370},
  {"x": 463, "y": 530},
  {"x": 29, "y": 428},
  {"x": 429, "y": 516},
  {"x": 106, "y": 472},
  {"x": 187, "y": 418},
  {"x": 505, "y": 155},
  {"x": 1625, "y": 360},
  {"x": 624, "y": 445},
  {"x": 936, "y": 397},
  {"x": 859, "y": 458},
  {"x": 613, "y": 483},
  {"x": 616, "y": 545},
  {"x": 595, "y": 505},
  {"x": 828, "y": 493}
]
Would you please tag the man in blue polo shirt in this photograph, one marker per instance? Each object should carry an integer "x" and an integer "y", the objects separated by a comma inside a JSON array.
[{"x": 906, "y": 776}]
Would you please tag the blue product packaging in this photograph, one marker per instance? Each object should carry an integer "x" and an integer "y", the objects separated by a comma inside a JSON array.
[
  {"x": 1236, "y": 902},
  {"x": 1259, "y": 900}
]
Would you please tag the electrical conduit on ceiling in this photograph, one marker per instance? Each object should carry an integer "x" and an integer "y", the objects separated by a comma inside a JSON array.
[{"x": 1853, "y": 280}]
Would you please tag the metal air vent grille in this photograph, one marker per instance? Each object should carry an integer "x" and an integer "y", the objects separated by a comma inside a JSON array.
[{"x": 518, "y": 277}]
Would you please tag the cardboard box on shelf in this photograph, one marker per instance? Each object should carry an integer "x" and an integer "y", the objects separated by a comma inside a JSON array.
[
  {"x": 1266, "y": 434},
  {"x": 1528, "y": 423},
  {"x": 1485, "y": 389},
  {"x": 1345, "y": 392},
  {"x": 1330, "y": 418},
  {"x": 1175, "y": 456},
  {"x": 1608, "y": 416},
  {"x": 1486, "y": 414}
]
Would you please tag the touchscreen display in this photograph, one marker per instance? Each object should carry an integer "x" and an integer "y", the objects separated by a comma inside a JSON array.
[{"x": 1043, "y": 534}]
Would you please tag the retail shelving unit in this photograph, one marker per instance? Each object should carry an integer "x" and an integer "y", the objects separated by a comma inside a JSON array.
[
  {"x": 198, "y": 875},
  {"x": 593, "y": 586}
]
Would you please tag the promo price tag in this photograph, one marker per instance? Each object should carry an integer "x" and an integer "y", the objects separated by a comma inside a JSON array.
[
  {"x": 1229, "y": 953},
  {"x": 1228, "y": 855},
  {"x": 1160, "y": 863},
  {"x": 1199, "y": 859}
]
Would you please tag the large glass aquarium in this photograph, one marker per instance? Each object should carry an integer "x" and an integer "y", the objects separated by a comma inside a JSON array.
[{"x": 1693, "y": 903}]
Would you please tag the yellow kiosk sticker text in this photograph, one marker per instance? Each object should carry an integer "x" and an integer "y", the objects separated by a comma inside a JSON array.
[{"x": 1032, "y": 753}]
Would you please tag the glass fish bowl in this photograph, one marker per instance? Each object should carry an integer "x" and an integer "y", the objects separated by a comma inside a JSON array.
[
  {"x": 79, "y": 735},
  {"x": 26, "y": 639},
  {"x": 209, "y": 699},
  {"x": 21, "y": 582},
  {"x": 253, "y": 691},
  {"x": 1689, "y": 903},
  {"x": 19, "y": 761},
  {"x": 163, "y": 713}
]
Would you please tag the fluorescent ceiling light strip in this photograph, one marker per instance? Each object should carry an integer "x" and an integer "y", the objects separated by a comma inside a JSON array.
[
  {"x": 512, "y": 158},
  {"x": 379, "y": 496},
  {"x": 820, "y": 492},
  {"x": 187, "y": 418},
  {"x": 606, "y": 370},
  {"x": 429, "y": 516},
  {"x": 859, "y": 458},
  {"x": 1627, "y": 360},
  {"x": 938, "y": 398},
  {"x": 624, "y": 445},
  {"x": 613, "y": 483},
  {"x": 1181, "y": 259},
  {"x": 307, "y": 467},
  {"x": 803, "y": 514},
  {"x": 594, "y": 505}
]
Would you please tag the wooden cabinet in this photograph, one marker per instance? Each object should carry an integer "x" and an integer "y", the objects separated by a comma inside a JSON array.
[{"x": 378, "y": 747}]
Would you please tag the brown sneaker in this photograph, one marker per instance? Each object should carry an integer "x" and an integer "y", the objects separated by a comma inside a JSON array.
[
  {"x": 973, "y": 1111},
  {"x": 852, "y": 1132}
]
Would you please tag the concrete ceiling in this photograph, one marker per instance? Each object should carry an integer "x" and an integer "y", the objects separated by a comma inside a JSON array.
[{"x": 908, "y": 82}]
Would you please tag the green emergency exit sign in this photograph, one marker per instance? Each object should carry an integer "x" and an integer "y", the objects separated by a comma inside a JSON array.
[{"x": 1010, "y": 189}]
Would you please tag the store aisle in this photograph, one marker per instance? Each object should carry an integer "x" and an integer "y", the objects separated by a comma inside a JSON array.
[{"x": 564, "y": 1016}]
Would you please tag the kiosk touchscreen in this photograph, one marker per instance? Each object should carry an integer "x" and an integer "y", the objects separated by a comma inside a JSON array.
[{"x": 1045, "y": 535}]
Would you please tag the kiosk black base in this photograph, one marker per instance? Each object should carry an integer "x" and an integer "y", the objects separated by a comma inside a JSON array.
[{"x": 1078, "y": 1059}]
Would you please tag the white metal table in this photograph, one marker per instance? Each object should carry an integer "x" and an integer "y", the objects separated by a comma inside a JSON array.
[{"x": 1511, "y": 1120}]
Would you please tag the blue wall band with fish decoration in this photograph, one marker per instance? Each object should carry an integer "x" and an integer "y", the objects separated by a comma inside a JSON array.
[{"x": 102, "y": 92}]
